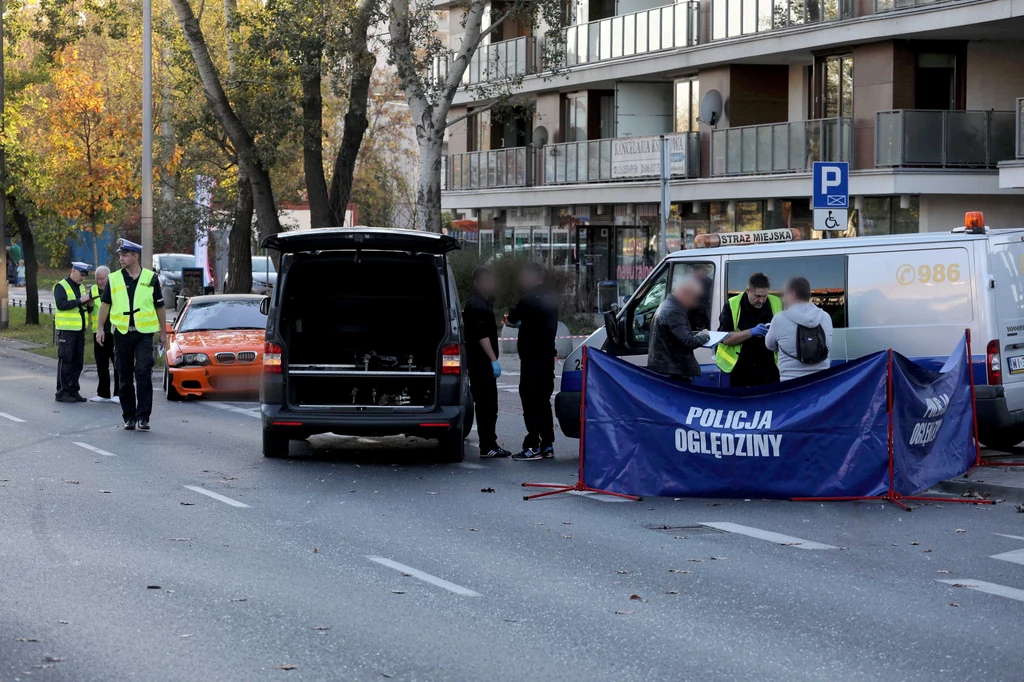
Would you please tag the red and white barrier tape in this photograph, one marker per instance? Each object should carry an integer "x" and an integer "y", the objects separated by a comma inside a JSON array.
[{"x": 513, "y": 338}]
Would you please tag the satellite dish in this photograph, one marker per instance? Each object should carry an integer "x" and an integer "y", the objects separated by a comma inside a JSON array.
[
  {"x": 540, "y": 136},
  {"x": 711, "y": 108}
]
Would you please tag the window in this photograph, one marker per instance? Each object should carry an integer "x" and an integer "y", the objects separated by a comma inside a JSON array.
[
  {"x": 640, "y": 317},
  {"x": 687, "y": 105},
  {"x": 836, "y": 74},
  {"x": 827, "y": 275}
]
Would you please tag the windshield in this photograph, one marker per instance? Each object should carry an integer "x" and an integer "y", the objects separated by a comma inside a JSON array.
[
  {"x": 176, "y": 263},
  {"x": 262, "y": 264},
  {"x": 215, "y": 315}
]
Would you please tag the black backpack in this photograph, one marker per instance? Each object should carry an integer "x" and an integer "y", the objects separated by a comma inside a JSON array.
[{"x": 811, "y": 345}]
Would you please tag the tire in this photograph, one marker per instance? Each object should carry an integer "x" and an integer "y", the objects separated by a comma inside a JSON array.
[
  {"x": 169, "y": 390},
  {"x": 275, "y": 444},
  {"x": 1002, "y": 439},
  {"x": 467, "y": 418},
  {"x": 453, "y": 447}
]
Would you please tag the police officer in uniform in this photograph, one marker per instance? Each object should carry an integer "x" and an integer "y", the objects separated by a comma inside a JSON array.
[
  {"x": 104, "y": 352},
  {"x": 74, "y": 305},
  {"x": 135, "y": 307},
  {"x": 742, "y": 354}
]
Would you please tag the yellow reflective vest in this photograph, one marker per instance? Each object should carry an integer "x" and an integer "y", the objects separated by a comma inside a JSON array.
[
  {"x": 726, "y": 357},
  {"x": 94, "y": 315},
  {"x": 68, "y": 320},
  {"x": 146, "y": 320}
]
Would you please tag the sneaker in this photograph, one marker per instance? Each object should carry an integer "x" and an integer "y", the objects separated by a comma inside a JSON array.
[
  {"x": 99, "y": 399},
  {"x": 116, "y": 399},
  {"x": 547, "y": 452},
  {"x": 496, "y": 451},
  {"x": 64, "y": 398},
  {"x": 527, "y": 455},
  {"x": 129, "y": 425},
  {"x": 79, "y": 398},
  {"x": 143, "y": 425}
]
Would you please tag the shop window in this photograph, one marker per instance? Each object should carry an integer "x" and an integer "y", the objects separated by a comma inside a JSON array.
[
  {"x": 749, "y": 217},
  {"x": 560, "y": 248},
  {"x": 827, "y": 275}
]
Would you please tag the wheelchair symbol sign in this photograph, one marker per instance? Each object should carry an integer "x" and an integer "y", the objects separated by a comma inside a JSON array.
[{"x": 830, "y": 220}]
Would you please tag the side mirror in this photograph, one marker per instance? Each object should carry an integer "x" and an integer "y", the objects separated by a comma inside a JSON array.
[
  {"x": 611, "y": 326},
  {"x": 265, "y": 305}
]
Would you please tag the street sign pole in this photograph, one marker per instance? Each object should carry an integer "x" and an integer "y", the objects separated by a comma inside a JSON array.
[
  {"x": 4, "y": 312},
  {"x": 666, "y": 202},
  {"x": 147, "y": 134}
]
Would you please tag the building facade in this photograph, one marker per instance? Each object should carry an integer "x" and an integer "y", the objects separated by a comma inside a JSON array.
[{"x": 922, "y": 98}]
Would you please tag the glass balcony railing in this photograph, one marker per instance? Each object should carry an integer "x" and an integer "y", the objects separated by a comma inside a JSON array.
[
  {"x": 780, "y": 147},
  {"x": 495, "y": 62},
  {"x": 944, "y": 139},
  {"x": 494, "y": 168},
  {"x": 1020, "y": 128},
  {"x": 659, "y": 28},
  {"x": 620, "y": 159},
  {"x": 734, "y": 18},
  {"x": 893, "y": 5}
]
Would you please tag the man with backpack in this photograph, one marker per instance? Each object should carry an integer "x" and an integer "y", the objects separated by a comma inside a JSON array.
[{"x": 801, "y": 334}]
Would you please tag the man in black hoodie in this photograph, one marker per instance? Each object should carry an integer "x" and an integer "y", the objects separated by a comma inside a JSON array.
[
  {"x": 484, "y": 369},
  {"x": 536, "y": 317}
]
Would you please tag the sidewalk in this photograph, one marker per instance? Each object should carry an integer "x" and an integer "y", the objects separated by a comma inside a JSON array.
[{"x": 990, "y": 482}]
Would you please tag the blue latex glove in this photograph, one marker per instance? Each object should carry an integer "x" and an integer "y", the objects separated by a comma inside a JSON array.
[
  {"x": 496, "y": 369},
  {"x": 519, "y": 324},
  {"x": 759, "y": 330}
]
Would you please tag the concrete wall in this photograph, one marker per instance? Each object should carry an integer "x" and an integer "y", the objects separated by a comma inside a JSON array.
[
  {"x": 883, "y": 79},
  {"x": 548, "y": 114},
  {"x": 941, "y": 213},
  {"x": 643, "y": 109},
  {"x": 798, "y": 89},
  {"x": 719, "y": 79},
  {"x": 458, "y": 134},
  {"x": 995, "y": 75}
]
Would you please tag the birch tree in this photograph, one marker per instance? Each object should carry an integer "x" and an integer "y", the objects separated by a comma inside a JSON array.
[{"x": 430, "y": 76}]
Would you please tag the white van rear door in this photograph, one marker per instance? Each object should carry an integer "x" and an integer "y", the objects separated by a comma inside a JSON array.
[{"x": 1007, "y": 269}]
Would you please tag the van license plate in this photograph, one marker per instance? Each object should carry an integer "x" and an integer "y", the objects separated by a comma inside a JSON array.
[{"x": 1017, "y": 364}]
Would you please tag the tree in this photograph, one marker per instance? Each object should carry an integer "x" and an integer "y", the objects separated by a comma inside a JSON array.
[{"x": 430, "y": 77}]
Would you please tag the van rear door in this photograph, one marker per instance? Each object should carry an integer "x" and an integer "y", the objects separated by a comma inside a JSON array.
[
  {"x": 1007, "y": 267},
  {"x": 353, "y": 238}
]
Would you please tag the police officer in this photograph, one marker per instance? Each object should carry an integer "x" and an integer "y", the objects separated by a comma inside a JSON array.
[
  {"x": 135, "y": 306},
  {"x": 103, "y": 352},
  {"x": 74, "y": 305},
  {"x": 746, "y": 316}
]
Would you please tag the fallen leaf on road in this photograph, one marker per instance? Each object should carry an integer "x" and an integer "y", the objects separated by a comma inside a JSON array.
[
  {"x": 624, "y": 613},
  {"x": 695, "y": 560},
  {"x": 895, "y": 544},
  {"x": 637, "y": 597},
  {"x": 44, "y": 666},
  {"x": 72, "y": 482},
  {"x": 963, "y": 585},
  {"x": 953, "y": 603},
  {"x": 316, "y": 551},
  {"x": 942, "y": 571},
  {"x": 678, "y": 499},
  {"x": 960, "y": 530},
  {"x": 407, "y": 575},
  {"x": 397, "y": 591},
  {"x": 152, "y": 587},
  {"x": 926, "y": 551},
  {"x": 321, "y": 628},
  {"x": 678, "y": 537},
  {"x": 387, "y": 675},
  {"x": 26, "y": 639},
  {"x": 718, "y": 558},
  {"x": 474, "y": 530},
  {"x": 915, "y": 543},
  {"x": 432, "y": 493},
  {"x": 239, "y": 599},
  {"x": 180, "y": 539},
  {"x": 64, "y": 622},
  {"x": 678, "y": 570},
  {"x": 286, "y": 666},
  {"x": 790, "y": 544},
  {"x": 187, "y": 636},
  {"x": 715, "y": 504},
  {"x": 567, "y": 537},
  {"x": 351, "y": 490},
  {"x": 622, "y": 572},
  {"x": 487, "y": 490},
  {"x": 566, "y": 523},
  {"x": 1019, "y": 508},
  {"x": 671, "y": 591},
  {"x": 52, "y": 659},
  {"x": 106, "y": 491},
  {"x": 187, "y": 504}
]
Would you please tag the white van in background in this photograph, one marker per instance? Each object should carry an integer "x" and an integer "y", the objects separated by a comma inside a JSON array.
[{"x": 914, "y": 293}]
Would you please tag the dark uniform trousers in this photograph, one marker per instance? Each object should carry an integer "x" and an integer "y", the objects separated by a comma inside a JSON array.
[
  {"x": 536, "y": 384},
  {"x": 484, "y": 388},
  {"x": 133, "y": 357},
  {"x": 70, "y": 361},
  {"x": 104, "y": 353}
]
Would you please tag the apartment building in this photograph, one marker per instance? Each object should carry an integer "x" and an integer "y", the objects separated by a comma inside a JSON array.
[{"x": 922, "y": 98}]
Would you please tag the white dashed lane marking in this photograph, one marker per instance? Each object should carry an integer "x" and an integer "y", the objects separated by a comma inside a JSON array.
[
  {"x": 94, "y": 449},
  {"x": 218, "y": 496},
  {"x": 12, "y": 418},
  {"x": 425, "y": 577},
  {"x": 987, "y": 588},
  {"x": 777, "y": 538}
]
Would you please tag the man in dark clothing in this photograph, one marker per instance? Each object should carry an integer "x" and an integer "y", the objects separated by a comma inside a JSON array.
[
  {"x": 672, "y": 341},
  {"x": 482, "y": 350},
  {"x": 536, "y": 317},
  {"x": 746, "y": 316},
  {"x": 74, "y": 305}
]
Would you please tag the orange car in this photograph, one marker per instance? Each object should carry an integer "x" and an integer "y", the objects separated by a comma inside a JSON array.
[{"x": 215, "y": 346}]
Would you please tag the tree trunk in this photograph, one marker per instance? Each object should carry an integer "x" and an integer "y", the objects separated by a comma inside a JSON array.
[
  {"x": 95, "y": 248},
  {"x": 28, "y": 245},
  {"x": 241, "y": 139},
  {"x": 240, "y": 241},
  {"x": 320, "y": 213},
  {"x": 428, "y": 182}
]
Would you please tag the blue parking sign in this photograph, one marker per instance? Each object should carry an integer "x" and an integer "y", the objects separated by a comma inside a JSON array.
[{"x": 831, "y": 184}]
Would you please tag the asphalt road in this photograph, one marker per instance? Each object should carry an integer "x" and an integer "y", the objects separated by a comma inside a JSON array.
[{"x": 182, "y": 554}]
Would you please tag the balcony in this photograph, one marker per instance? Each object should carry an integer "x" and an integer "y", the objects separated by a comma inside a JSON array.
[
  {"x": 780, "y": 147},
  {"x": 652, "y": 30},
  {"x": 495, "y": 62},
  {"x": 893, "y": 5},
  {"x": 734, "y": 18},
  {"x": 620, "y": 159},
  {"x": 489, "y": 169},
  {"x": 944, "y": 139}
]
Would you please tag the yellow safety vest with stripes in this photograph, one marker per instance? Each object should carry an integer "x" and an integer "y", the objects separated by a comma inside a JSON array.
[
  {"x": 121, "y": 311},
  {"x": 94, "y": 316},
  {"x": 726, "y": 357},
  {"x": 68, "y": 320}
]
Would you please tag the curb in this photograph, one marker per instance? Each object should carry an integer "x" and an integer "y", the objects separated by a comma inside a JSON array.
[
  {"x": 7, "y": 351},
  {"x": 959, "y": 486}
]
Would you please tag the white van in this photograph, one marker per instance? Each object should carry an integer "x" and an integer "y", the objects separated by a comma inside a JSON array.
[{"x": 914, "y": 293}]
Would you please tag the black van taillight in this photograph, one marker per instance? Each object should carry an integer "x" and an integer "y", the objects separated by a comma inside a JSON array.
[
  {"x": 271, "y": 358},
  {"x": 451, "y": 359},
  {"x": 993, "y": 364}
]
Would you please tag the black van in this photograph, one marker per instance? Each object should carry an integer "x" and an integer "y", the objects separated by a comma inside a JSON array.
[{"x": 364, "y": 337}]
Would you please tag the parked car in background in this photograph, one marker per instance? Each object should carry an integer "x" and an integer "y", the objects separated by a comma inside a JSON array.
[
  {"x": 168, "y": 268},
  {"x": 264, "y": 275},
  {"x": 215, "y": 346}
]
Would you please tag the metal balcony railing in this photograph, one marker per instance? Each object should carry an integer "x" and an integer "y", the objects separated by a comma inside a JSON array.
[
  {"x": 494, "y": 62},
  {"x": 893, "y": 5},
  {"x": 733, "y": 18},
  {"x": 780, "y": 147},
  {"x": 1020, "y": 128},
  {"x": 944, "y": 139},
  {"x": 620, "y": 159},
  {"x": 659, "y": 28},
  {"x": 495, "y": 168}
]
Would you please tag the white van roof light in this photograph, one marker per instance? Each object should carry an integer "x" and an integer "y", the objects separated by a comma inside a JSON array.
[{"x": 974, "y": 223}]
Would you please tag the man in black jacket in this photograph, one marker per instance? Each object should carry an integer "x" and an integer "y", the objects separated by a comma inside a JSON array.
[
  {"x": 672, "y": 341},
  {"x": 484, "y": 369},
  {"x": 536, "y": 317}
]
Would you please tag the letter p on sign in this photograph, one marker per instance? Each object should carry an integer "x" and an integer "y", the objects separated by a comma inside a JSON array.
[{"x": 830, "y": 177}]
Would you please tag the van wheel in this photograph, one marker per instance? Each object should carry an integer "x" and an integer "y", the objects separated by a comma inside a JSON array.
[
  {"x": 467, "y": 419},
  {"x": 169, "y": 390},
  {"x": 1002, "y": 439},
  {"x": 275, "y": 443},
  {"x": 453, "y": 447}
]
